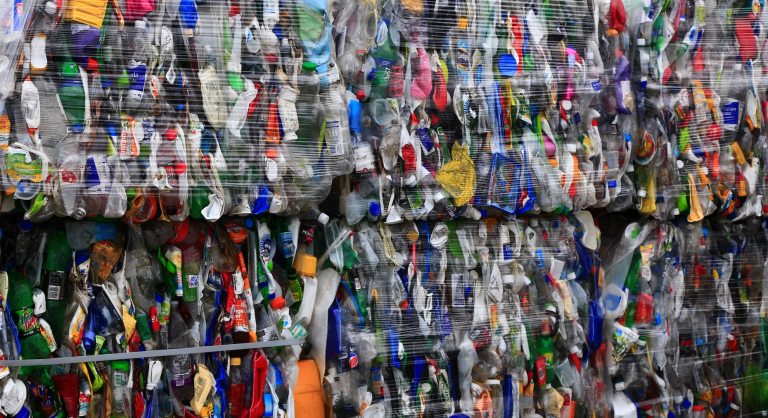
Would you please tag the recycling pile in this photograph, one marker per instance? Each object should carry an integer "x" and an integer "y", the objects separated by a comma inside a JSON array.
[{"x": 375, "y": 208}]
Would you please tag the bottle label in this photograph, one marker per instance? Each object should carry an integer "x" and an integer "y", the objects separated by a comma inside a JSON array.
[
  {"x": 730, "y": 110},
  {"x": 286, "y": 244},
  {"x": 333, "y": 137},
  {"x": 192, "y": 281},
  {"x": 26, "y": 321},
  {"x": 55, "y": 283}
]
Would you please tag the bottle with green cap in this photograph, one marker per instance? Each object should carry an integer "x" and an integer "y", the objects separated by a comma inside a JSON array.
[
  {"x": 22, "y": 307},
  {"x": 121, "y": 393},
  {"x": 306, "y": 149},
  {"x": 72, "y": 95},
  {"x": 56, "y": 264}
]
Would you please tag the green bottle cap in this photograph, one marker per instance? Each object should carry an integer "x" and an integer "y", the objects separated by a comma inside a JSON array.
[
  {"x": 308, "y": 66},
  {"x": 69, "y": 69},
  {"x": 123, "y": 81},
  {"x": 236, "y": 82}
]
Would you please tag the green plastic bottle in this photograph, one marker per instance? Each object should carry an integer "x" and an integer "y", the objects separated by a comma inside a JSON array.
[
  {"x": 33, "y": 344},
  {"x": 56, "y": 265},
  {"x": 632, "y": 287},
  {"x": 72, "y": 95}
]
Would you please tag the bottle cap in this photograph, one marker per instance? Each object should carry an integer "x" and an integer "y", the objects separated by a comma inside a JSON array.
[
  {"x": 306, "y": 265},
  {"x": 278, "y": 302},
  {"x": 374, "y": 209},
  {"x": 323, "y": 218},
  {"x": 50, "y": 8},
  {"x": 235, "y": 361},
  {"x": 141, "y": 24},
  {"x": 26, "y": 225},
  {"x": 308, "y": 66}
]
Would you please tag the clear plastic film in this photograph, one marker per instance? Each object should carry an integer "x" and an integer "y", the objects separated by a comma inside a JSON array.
[
  {"x": 425, "y": 207},
  {"x": 186, "y": 108}
]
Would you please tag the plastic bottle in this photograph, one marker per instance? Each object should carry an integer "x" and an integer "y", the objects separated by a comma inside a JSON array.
[
  {"x": 237, "y": 390},
  {"x": 21, "y": 305},
  {"x": 56, "y": 264},
  {"x": 137, "y": 66},
  {"x": 24, "y": 241},
  {"x": 337, "y": 153},
  {"x": 180, "y": 367},
  {"x": 72, "y": 95},
  {"x": 308, "y": 110},
  {"x": 358, "y": 208},
  {"x": 121, "y": 394},
  {"x": 190, "y": 272}
]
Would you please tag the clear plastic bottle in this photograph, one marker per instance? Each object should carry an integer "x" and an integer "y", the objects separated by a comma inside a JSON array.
[
  {"x": 308, "y": 110},
  {"x": 357, "y": 208},
  {"x": 181, "y": 367},
  {"x": 337, "y": 151},
  {"x": 121, "y": 394},
  {"x": 24, "y": 241}
]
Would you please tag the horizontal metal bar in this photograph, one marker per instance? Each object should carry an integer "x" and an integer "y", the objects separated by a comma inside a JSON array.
[{"x": 148, "y": 354}]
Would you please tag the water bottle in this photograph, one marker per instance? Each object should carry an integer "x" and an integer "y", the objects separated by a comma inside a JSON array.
[
  {"x": 181, "y": 366},
  {"x": 137, "y": 66},
  {"x": 337, "y": 138},
  {"x": 308, "y": 110},
  {"x": 24, "y": 241},
  {"x": 121, "y": 394}
]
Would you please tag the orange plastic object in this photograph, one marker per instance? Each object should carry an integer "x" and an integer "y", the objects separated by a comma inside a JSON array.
[{"x": 308, "y": 396}]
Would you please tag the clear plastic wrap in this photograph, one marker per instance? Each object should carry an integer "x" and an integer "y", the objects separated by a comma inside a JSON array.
[{"x": 546, "y": 208}]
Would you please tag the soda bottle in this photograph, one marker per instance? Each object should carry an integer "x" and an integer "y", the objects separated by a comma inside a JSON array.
[
  {"x": 72, "y": 95},
  {"x": 21, "y": 305},
  {"x": 56, "y": 264}
]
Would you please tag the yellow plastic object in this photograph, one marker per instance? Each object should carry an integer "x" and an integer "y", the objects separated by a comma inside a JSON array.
[
  {"x": 87, "y": 12},
  {"x": 308, "y": 396},
  {"x": 306, "y": 265}
]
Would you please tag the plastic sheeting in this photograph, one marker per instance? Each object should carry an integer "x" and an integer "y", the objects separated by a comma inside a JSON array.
[{"x": 463, "y": 208}]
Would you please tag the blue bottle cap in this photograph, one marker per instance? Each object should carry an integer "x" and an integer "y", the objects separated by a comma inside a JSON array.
[
  {"x": 26, "y": 225},
  {"x": 23, "y": 413},
  {"x": 374, "y": 209},
  {"x": 82, "y": 256}
]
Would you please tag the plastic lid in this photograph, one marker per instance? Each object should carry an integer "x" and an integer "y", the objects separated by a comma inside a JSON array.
[
  {"x": 306, "y": 265},
  {"x": 23, "y": 413},
  {"x": 278, "y": 302},
  {"x": 248, "y": 223},
  {"x": 323, "y": 218},
  {"x": 308, "y": 66},
  {"x": 141, "y": 24},
  {"x": 374, "y": 209},
  {"x": 81, "y": 256},
  {"x": 50, "y": 7},
  {"x": 122, "y": 365},
  {"x": 235, "y": 361},
  {"x": 26, "y": 225}
]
